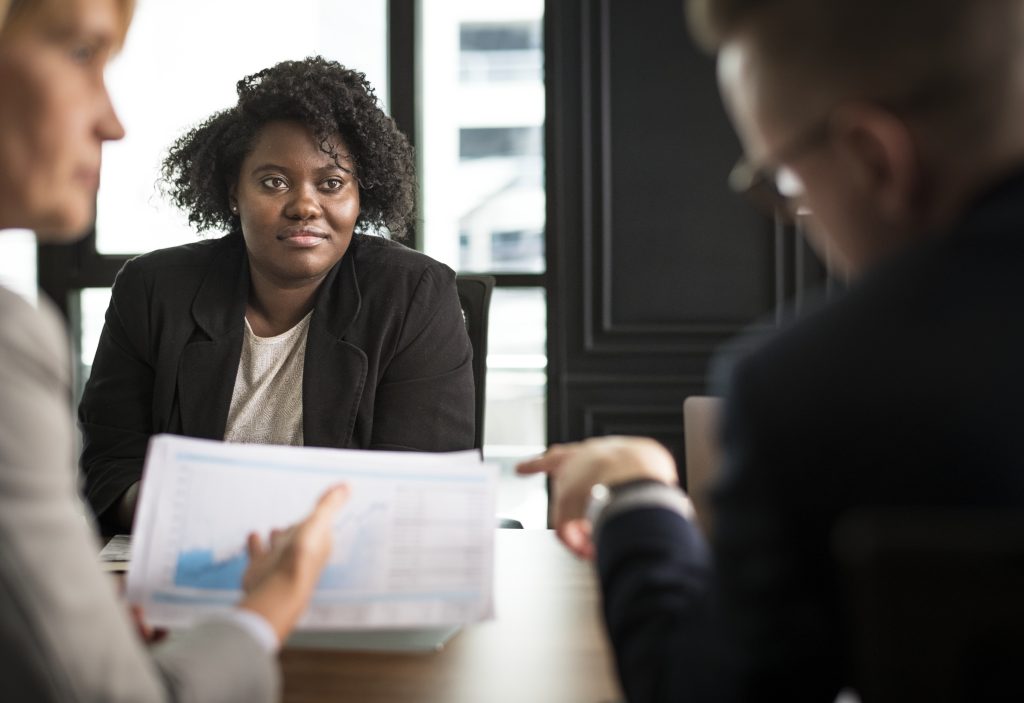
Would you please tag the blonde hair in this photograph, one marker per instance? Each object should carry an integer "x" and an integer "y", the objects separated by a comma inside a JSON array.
[{"x": 16, "y": 12}]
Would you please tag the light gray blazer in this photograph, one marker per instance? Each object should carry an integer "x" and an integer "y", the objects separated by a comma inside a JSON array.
[{"x": 64, "y": 636}]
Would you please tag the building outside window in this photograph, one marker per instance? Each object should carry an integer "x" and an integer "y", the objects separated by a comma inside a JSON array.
[{"x": 480, "y": 140}]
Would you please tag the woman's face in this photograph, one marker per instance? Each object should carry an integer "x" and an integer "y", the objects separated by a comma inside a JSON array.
[
  {"x": 54, "y": 116},
  {"x": 297, "y": 207}
]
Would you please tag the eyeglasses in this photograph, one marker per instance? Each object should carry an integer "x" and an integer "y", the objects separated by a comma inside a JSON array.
[{"x": 770, "y": 183}]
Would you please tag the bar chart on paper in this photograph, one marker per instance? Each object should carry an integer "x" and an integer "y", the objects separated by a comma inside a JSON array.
[{"x": 413, "y": 546}]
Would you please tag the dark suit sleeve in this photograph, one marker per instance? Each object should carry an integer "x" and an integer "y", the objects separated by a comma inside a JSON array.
[
  {"x": 752, "y": 620},
  {"x": 115, "y": 414},
  {"x": 656, "y": 581},
  {"x": 425, "y": 397}
]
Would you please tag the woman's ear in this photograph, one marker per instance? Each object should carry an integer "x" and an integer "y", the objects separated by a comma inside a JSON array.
[
  {"x": 233, "y": 198},
  {"x": 879, "y": 155}
]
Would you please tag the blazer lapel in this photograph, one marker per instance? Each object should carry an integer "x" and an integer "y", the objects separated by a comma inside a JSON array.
[
  {"x": 209, "y": 361},
  {"x": 335, "y": 370}
]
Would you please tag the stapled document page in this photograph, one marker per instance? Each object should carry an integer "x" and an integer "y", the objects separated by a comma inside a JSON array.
[{"x": 413, "y": 546}]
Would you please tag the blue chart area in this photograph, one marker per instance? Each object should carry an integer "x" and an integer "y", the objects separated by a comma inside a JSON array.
[
  {"x": 350, "y": 568},
  {"x": 197, "y": 568}
]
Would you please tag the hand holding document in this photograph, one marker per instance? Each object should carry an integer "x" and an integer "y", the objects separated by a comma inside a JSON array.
[{"x": 412, "y": 547}]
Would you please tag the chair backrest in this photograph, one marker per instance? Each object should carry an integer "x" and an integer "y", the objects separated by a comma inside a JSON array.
[
  {"x": 475, "y": 297},
  {"x": 703, "y": 454},
  {"x": 934, "y": 603}
]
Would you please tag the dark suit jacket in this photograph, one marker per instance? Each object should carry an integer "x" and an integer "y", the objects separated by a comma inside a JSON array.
[
  {"x": 905, "y": 392},
  {"x": 387, "y": 366}
]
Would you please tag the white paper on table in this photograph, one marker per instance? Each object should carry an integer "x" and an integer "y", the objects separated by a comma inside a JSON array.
[{"x": 413, "y": 546}]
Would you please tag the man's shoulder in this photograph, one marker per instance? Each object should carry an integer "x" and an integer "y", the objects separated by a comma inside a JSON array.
[
  {"x": 31, "y": 336},
  {"x": 14, "y": 309},
  {"x": 864, "y": 328},
  {"x": 28, "y": 322}
]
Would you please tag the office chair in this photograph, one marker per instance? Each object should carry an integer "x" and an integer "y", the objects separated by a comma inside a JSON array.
[
  {"x": 934, "y": 604},
  {"x": 475, "y": 298},
  {"x": 701, "y": 417}
]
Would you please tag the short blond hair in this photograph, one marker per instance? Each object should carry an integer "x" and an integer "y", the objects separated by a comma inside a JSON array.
[
  {"x": 875, "y": 41},
  {"x": 16, "y": 12},
  {"x": 952, "y": 60}
]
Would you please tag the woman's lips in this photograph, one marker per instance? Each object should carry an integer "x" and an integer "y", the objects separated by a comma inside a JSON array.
[
  {"x": 302, "y": 238},
  {"x": 88, "y": 177}
]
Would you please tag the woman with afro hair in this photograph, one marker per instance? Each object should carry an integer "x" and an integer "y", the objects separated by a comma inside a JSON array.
[{"x": 303, "y": 324}]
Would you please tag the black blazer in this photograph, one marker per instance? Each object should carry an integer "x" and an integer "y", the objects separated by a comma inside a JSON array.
[
  {"x": 387, "y": 366},
  {"x": 906, "y": 392}
]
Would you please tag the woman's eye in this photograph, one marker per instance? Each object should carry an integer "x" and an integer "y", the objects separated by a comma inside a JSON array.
[
  {"x": 274, "y": 182},
  {"x": 334, "y": 184},
  {"x": 83, "y": 53}
]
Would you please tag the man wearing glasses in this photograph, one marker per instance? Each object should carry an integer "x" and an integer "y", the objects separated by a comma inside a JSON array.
[{"x": 899, "y": 128}]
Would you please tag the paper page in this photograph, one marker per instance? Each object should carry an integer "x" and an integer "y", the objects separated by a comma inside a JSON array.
[{"x": 413, "y": 547}]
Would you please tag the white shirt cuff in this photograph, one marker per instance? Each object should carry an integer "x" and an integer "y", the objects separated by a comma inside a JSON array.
[{"x": 644, "y": 495}]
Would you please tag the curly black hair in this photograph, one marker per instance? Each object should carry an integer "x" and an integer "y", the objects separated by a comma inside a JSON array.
[{"x": 329, "y": 99}]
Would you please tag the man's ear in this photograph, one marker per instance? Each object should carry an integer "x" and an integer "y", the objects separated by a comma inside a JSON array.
[{"x": 882, "y": 161}]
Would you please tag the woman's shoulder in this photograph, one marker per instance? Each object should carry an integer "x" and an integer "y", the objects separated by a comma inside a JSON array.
[
  {"x": 196, "y": 254},
  {"x": 373, "y": 252}
]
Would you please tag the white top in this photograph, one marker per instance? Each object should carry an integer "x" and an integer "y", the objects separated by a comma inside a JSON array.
[{"x": 266, "y": 403}]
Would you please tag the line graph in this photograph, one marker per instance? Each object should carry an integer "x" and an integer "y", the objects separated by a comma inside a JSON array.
[{"x": 412, "y": 547}]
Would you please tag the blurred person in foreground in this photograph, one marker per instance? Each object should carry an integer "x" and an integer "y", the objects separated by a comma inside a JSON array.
[
  {"x": 299, "y": 325},
  {"x": 63, "y": 634},
  {"x": 899, "y": 126}
]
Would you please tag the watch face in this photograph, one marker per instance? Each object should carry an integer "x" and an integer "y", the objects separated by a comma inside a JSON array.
[{"x": 599, "y": 497}]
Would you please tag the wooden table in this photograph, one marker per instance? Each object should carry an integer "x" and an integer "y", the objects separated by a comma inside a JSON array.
[{"x": 547, "y": 643}]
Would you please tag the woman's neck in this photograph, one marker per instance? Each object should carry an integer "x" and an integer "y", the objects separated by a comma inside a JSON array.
[{"x": 273, "y": 309}]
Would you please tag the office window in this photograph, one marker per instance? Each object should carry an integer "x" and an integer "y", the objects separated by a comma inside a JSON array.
[
  {"x": 500, "y": 143},
  {"x": 181, "y": 63},
  {"x": 501, "y": 50},
  {"x": 92, "y": 307},
  {"x": 480, "y": 143},
  {"x": 18, "y": 262}
]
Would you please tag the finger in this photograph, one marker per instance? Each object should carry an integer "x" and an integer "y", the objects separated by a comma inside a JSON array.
[
  {"x": 140, "y": 622},
  {"x": 586, "y": 534},
  {"x": 575, "y": 534},
  {"x": 254, "y": 546},
  {"x": 568, "y": 499},
  {"x": 329, "y": 504},
  {"x": 532, "y": 466},
  {"x": 547, "y": 462},
  {"x": 281, "y": 536}
]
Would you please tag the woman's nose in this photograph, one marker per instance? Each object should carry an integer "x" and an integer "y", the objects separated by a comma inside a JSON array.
[{"x": 304, "y": 204}]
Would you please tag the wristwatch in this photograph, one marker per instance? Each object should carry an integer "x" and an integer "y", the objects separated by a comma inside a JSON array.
[{"x": 601, "y": 494}]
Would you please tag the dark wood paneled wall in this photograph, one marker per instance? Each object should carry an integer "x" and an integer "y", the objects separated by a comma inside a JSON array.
[{"x": 653, "y": 263}]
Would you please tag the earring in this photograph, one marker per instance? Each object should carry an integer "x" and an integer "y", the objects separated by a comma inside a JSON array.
[{"x": 234, "y": 209}]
